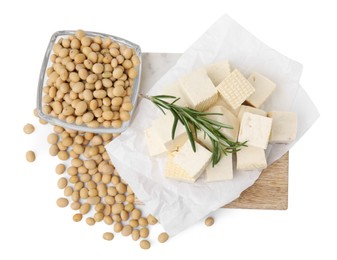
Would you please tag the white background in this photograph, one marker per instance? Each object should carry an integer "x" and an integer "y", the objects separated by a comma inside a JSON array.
[{"x": 31, "y": 226}]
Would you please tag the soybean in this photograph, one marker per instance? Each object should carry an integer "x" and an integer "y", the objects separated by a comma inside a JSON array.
[
  {"x": 151, "y": 220},
  {"x": 135, "y": 234},
  {"x": 28, "y": 128},
  {"x": 90, "y": 221},
  {"x": 77, "y": 217},
  {"x": 60, "y": 168},
  {"x": 144, "y": 232},
  {"x": 118, "y": 227},
  {"x": 127, "y": 230},
  {"x": 62, "y": 202},
  {"x": 209, "y": 221},
  {"x": 30, "y": 156},
  {"x": 145, "y": 244},
  {"x": 108, "y": 236},
  {"x": 62, "y": 183},
  {"x": 52, "y": 138},
  {"x": 163, "y": 237}
]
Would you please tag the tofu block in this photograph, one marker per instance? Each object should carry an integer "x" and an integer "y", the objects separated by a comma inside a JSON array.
[
  {"x": 255, "y": 129},
  {"x": 199, "y": 90},
  {"x": 174, "y": 89},
  {"x": 264, "y": 87},
  {"x": 163, "y": 128},
  {"x": 235, "y": 89},
  {"x": 284, "y": 127},
  {"x": 226, "y": 118},
  {"x": 154, "y": 144},
  {"x": 252, "y": 110},
  {"x": 204, "y": 140},
  {"x": 218, "y": 71},
  {"x": 222, "y": 171},
  {"x": 222, "y": 102},
  {"x": 173, "y": 171},
  {"x": 194, "y": 163},
  {"x": 251, "y": 158}
]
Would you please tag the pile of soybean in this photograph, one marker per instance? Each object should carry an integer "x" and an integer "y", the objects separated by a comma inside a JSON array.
[{"x": 92, "y": 186}]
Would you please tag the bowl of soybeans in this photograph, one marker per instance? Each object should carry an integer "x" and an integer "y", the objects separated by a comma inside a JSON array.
[{"x": 89, "y": 82}]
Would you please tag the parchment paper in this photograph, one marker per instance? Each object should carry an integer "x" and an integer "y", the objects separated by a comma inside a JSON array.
[{"x": 178, "y": 205}]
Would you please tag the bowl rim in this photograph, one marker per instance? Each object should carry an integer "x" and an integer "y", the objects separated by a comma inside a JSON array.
[{"x": 83, "y": 128}]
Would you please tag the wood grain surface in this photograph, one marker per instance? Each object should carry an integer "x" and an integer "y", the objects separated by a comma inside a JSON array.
[{"x": 270, "y": 191}]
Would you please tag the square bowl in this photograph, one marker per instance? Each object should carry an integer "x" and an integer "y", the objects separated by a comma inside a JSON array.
[{"x": 43, "y": 79}]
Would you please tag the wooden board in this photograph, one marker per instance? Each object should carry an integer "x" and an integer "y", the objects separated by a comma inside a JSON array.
[{"x": 270, "y": 191}]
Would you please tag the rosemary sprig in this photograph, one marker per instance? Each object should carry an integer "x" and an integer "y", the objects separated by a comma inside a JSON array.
[{"x": 194, "y": 120}]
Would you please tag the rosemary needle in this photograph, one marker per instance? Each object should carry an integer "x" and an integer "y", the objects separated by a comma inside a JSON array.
[{"x": 194, "y": 120}]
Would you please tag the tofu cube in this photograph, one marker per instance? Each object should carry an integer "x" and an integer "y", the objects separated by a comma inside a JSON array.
[
  {"x": 222, "y": 171},
  {"x": 194, "y": 163},
  {"x": 235, "y": 89},
  {"x": 163, "y": 128},
  {"x": 284, "y": 127},
  {"x": 227, "y": 118},
  {"x": 174, "y": 89},
  {"x": 222, "y": 102},
  {"x": 174, "y": 172},
  {"x": 255, "y": 129},
  {"x": 204, "y": 140},
  {"x": 264, "y": 87},
  {"x": 199, "y": 90},
  {"x": 251, "y": 158},
  {"x": 218, "y": 71},
  {"x": 252, "y": 110},
  {"x": 154, "y": 144}
]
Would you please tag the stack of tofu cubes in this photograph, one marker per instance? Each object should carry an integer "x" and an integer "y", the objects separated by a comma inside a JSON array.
[{"x": 218, "y": 89}]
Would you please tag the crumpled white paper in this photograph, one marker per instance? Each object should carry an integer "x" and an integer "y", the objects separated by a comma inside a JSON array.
[{"x": 178, "y": 205}]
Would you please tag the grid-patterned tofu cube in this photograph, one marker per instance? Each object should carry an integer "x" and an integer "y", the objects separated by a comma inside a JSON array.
[
  {"x": 284, "y": 127},
  {"x": 154, "y": 144},
  {"x": 199, "y": 90},
  {"x": 222, "y": 171},
  {"x": 218, "y": 71},
  {"x": 264, "y": 87},
  {"x": 251, "y": 158},
  {"x": 235, "y": 89},
  {"x": 194, "y": 163},
  {"x": 255, "y": 129},
  {"x": 252, "y": 110},
  {"x": 175, "y": 172},
  {"x": 163, "y": 128}
]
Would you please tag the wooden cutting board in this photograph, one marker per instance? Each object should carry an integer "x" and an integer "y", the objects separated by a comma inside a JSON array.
[{"x": 270, "y": 191}]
